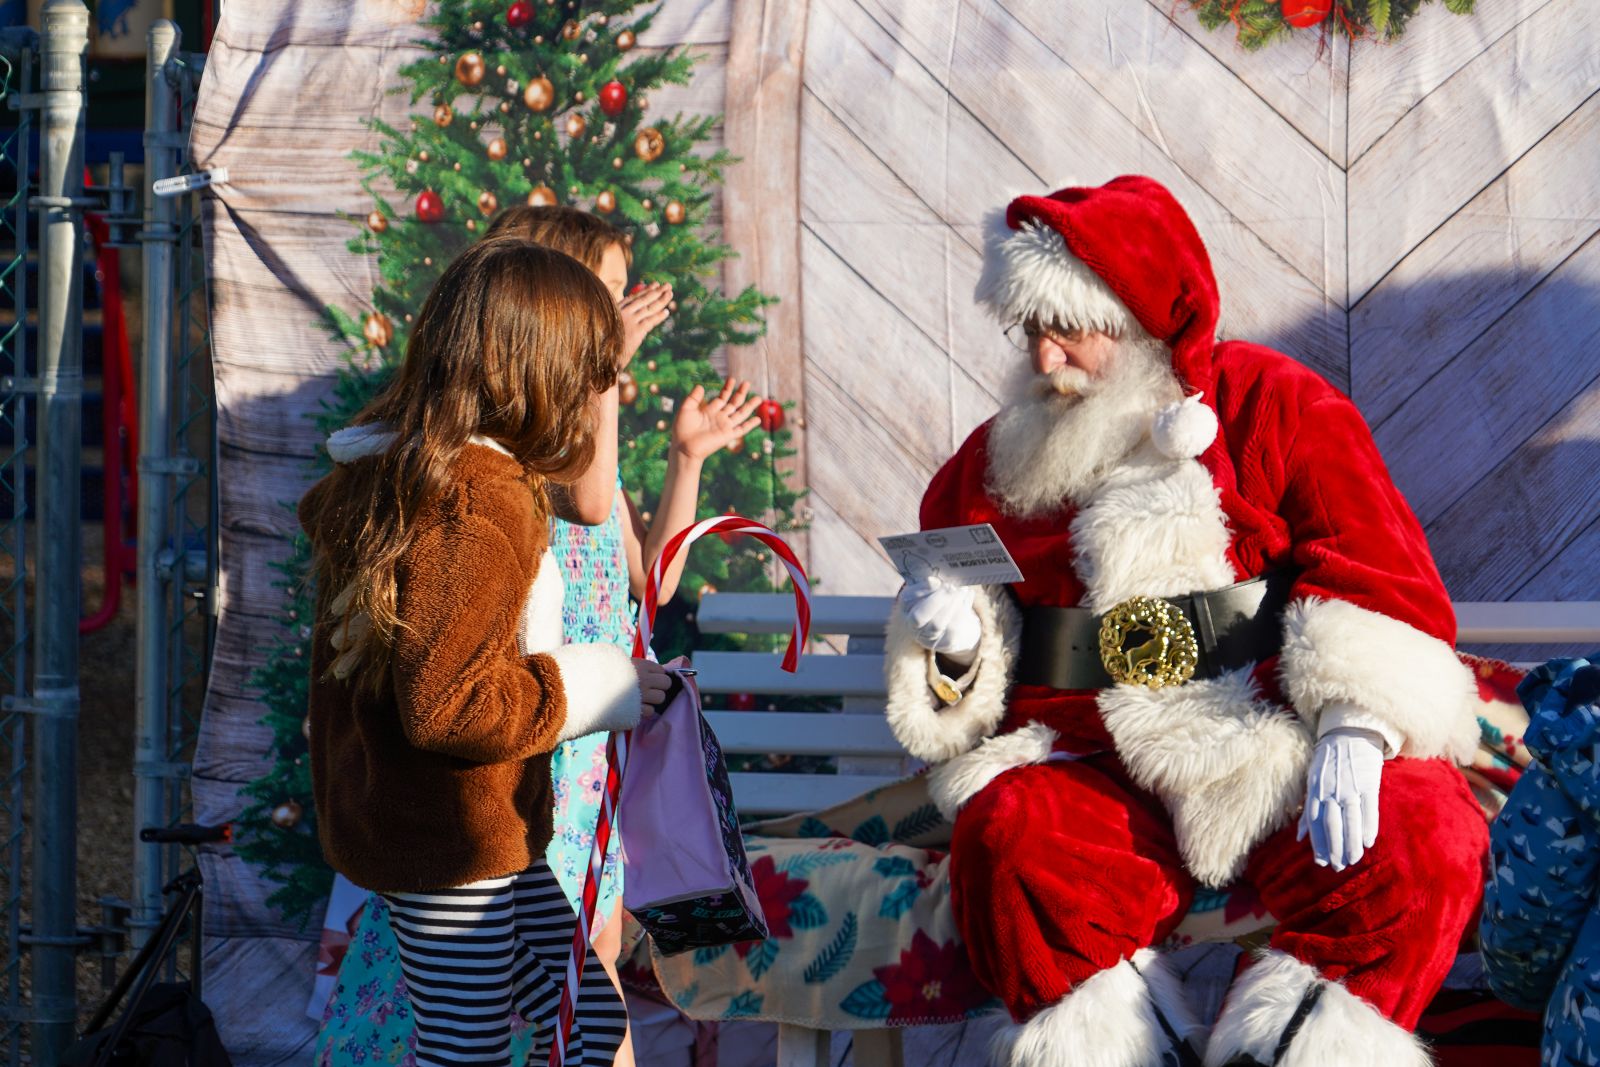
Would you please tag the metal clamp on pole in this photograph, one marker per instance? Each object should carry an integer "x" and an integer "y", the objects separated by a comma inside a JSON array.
[
  {"x": 46, "y": 703},
  {"x": 184, "y": 183}
]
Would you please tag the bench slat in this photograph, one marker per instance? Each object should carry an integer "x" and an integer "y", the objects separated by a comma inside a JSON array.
[
  {"x": 1480, "y": 621},
  {"x": 760, "y": 672},
  {"x": 785, "y": 794},
  {"x": 802, "y": 733},
  {"x": 1528, "y": 621},
  {"x": 773, "y": 613}
]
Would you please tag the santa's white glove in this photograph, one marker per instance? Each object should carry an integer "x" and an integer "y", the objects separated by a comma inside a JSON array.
[
  {"x": 1342, "y": 796},
  {"x": 941, "y": 616}
]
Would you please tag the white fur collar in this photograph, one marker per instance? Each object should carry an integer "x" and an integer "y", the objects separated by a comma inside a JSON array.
[{"x": 358, "y": 442}]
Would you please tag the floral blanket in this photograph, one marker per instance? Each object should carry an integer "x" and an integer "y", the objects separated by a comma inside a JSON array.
[{"x": 858, "y": 902}]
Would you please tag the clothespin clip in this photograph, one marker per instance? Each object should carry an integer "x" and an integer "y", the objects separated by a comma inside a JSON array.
[{"x": 185, "y": 183}]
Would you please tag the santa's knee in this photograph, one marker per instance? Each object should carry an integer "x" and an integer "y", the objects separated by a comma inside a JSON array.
[{"x": 1433, "y": 839}]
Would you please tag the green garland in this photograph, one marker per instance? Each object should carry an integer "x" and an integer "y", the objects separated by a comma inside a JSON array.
[
  {"x": 501, "y": 48},
  {"x": 1259, "y": 22}
]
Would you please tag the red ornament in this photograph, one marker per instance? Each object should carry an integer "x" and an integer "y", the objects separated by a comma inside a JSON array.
[
  {"x": 613, "y": 98},
  {"x": 729, "y": 538},
  {"x": 429, "y": 207},
  {"x": 519, "y": 14},
  {"x": 771, "y": 415},
  {"x": 1303, "y": 14},
  {"x": 741, "y": 702}
]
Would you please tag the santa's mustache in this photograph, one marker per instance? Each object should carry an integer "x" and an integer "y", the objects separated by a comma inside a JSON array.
[{"x": 1064, "y": 383}]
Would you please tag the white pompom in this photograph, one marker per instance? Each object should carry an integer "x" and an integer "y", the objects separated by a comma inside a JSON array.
[{"x": 1185, "y": 429}]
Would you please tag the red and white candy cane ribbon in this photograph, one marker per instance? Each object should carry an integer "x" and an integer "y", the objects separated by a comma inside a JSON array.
[{"x": 617, "y": 746}]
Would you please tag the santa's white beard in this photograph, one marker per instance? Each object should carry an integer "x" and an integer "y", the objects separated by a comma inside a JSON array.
[{"x": 1071, "y": 428}]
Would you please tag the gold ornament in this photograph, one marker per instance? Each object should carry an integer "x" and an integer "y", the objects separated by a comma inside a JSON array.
[
  {"x": 472, "y": 125},
  {"x": 477, "y": 27},
  {"x": 627, "y": 388},
  {"x": 469, "y": 69},
  {"x": 578, "y": 96},
  {"x": 505, "y": 108},
  {"x": 583, "y": 57},
  {"x": 707, "y": 590},
  {"x": 500, "y": 71},
  {"x": 487, "y": 203},
  {"x": 736, "y": 445},
  {"x": 644, "y": 103},
  {"x": 427, "y": 261},
  {"x": 376, "y": 222},
  {"x": 569, "y": 31},
  {"x": 601, "y": 20},
  {"x": 442, "y": 115},
  {"x": 675, "y": 212},
  {"x": 377, "y": 329},
  {"x": 576, "y": 125},
  {"x": 472, "y": 225},
  {"x": 285, "y": 815},
  {"x": 616, "y": 164},
  {"x": 542, "y": 196},
  {"x": 539, "y": 94},
  {"x": 526, "y": 162},
  {"x": 661, "y": 424},
  {"x": 626, "y": 40},
  {"x": 606, "y": 202},
  {"x": 456, "y": 167},
  {"x": 1166, "y": 652},
  {"x": 538, "y": 38},
  {"x": 655, "y": 389},
  {"x": 497, "y": 149},
  {"x": 423, "y": 155},
  {"x": 646, "y": 204},
  {"x": 651, "y": 365},
  {"x": 648, "y": 144}
]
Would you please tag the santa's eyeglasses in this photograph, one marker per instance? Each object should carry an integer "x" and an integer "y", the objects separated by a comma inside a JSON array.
[{"x": 1023, "y": 334}]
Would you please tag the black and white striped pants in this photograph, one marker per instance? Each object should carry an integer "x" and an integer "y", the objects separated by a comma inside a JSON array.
[{"x": 481, "y": 958}]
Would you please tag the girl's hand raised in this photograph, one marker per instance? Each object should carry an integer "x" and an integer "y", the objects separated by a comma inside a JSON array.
[
  {"x": 703, "y": 426},
  {"x": 642, "y": 311}
]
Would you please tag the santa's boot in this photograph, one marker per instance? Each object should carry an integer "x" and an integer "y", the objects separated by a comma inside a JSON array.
[
  {"x": 1131, "y": 1015},
  {"x": 1281, "y": 1013}
]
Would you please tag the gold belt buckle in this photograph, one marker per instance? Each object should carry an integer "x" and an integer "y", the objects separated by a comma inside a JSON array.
[{"x": 1164, "y": 650}]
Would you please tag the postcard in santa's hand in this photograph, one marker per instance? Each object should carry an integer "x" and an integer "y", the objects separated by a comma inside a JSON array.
[{"x": 956, "y": 555}]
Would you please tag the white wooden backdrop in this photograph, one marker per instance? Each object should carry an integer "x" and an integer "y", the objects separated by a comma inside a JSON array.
[{"x": 1415, "y": 221}]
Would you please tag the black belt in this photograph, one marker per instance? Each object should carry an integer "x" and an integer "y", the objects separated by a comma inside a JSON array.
[{"x": 1233, "y": 627}]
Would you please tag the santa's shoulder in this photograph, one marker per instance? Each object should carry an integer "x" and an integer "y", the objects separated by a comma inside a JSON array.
[{"x": 1258, "y": 380}]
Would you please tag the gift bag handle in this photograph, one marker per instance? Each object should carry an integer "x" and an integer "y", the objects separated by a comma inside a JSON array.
[
  {"x": 617, "y": 746},
  {"x": 727, "y": 526}
]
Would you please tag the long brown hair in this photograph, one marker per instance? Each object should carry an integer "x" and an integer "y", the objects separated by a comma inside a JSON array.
[
  {"x": 511, "y": 344},
  {"x": 582, "y": 236}
]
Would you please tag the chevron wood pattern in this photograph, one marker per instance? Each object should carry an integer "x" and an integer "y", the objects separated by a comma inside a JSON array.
[{"x": 1415, "y": 221}]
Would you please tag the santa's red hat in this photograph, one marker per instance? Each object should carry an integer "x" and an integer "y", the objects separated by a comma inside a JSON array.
[{"x": 1105, "y": 257}]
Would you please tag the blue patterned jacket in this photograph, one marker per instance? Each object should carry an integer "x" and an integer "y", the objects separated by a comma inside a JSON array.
[{"x": 1541, "y": 915}]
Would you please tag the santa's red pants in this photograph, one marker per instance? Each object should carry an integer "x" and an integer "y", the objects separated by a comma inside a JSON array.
[{"x": 1060, "y": 870}]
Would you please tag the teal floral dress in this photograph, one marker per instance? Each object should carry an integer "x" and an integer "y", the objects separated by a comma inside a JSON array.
[{"x": 368, "y": 1018}]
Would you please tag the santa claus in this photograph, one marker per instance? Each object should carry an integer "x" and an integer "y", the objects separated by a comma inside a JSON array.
[{"x": 1229, "y": 659}]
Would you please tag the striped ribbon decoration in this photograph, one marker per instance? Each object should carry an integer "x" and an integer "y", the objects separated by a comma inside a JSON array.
[{"x": 617, "y": 745}]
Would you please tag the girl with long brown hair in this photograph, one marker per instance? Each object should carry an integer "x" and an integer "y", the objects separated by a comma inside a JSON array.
[{"x": 438, "y": 689}]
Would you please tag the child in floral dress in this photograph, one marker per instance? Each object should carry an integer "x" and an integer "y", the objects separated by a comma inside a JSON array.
[{"x": 368, "y": 1017}]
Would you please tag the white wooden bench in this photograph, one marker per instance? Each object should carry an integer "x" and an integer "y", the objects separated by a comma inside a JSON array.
[{"x": 869, "y": 756}]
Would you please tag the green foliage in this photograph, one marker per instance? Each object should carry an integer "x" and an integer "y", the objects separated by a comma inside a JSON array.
[
  {"x": 1260, "y": 22},
  {"x": 453, "y": 162}
]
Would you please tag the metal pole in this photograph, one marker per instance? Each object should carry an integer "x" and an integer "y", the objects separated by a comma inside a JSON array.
[
  {"x": 155, "y": 465},
  {"x": 56, "y": 600}
]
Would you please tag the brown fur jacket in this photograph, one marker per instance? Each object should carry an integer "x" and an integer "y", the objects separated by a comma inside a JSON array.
[{"x": 443, "y": 778}]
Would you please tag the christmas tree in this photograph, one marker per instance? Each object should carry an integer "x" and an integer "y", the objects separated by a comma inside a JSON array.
[{"x": 539, "y": 102}]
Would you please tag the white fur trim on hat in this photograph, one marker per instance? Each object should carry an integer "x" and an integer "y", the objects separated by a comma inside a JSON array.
[
  {"x": 1342, "y": 1030},
  {"x": 1335, "y": 652},
  {"x": 1107, "y": 1021},
  {"x": 929, "y": 729},
  {"x": 954, "y": 783},
  {"x": 1030, "y": 273},
  {"x": 1186, "y": 429}
]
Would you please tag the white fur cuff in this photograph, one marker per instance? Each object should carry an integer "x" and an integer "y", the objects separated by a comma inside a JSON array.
[
  {"x": 1335, "y": 652},
  {"x": 927, "y": 727},
  {"x": 1107, "y": 1021},
  {"x": 964, "y": 777},
  {"x": 1341, "y": 1031},
  {"x": 602, "y": 689}
]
